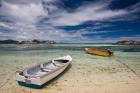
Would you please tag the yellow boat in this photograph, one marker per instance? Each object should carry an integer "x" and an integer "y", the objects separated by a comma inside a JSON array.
[{"x": 94, "y": 51}]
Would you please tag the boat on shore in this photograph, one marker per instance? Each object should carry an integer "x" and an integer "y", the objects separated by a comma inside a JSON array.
[
  {"x": 37, "y": 76},
  {"x": 100, "y": 52}
]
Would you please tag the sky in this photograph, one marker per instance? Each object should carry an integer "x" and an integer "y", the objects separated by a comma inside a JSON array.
[{"x": 70, "y": 21}]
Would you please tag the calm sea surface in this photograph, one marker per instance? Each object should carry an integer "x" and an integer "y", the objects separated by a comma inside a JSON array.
[
  {"x": 42, "y": 51},
  {"x": 126, "y": 60},
  {"x": 70, "y": 47}
]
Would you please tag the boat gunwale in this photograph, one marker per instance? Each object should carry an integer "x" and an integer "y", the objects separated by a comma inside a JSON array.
[
  {"x": 41, "y": 76},
  {"x": 93, "y": 51}
]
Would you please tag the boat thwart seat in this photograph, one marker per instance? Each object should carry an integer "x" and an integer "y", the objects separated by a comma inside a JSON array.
[{"x": 38, "y": 75}]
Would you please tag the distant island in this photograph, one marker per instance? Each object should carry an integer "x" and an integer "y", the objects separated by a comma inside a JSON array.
[
  {"x": 127, "y": 42},
  {"x": 27, "y": 42}
]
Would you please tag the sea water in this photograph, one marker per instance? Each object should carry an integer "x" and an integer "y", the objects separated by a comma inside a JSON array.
[{"x": 15, "y": 57}]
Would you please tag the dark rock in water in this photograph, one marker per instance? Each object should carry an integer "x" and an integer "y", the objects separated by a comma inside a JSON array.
[
  {"x": 37, "y": 42},
  {"x": 27, "y": 42},
  {"x": 127, "y": 42},
  {"x": 8, "y": 42}
]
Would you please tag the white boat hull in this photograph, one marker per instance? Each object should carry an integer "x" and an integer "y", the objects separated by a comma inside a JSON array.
[{"x": 39, "y": 82}]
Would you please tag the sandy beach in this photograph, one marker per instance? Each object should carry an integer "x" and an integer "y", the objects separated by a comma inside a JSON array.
[{"x": 87, "y": 74}]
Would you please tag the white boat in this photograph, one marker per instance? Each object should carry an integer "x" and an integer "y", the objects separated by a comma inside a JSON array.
[{"x": 37, "y": 76}]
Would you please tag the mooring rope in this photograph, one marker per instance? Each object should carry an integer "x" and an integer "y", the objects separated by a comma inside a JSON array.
[
  {"x": 7, "y": 80},
  {"x": 134, "y": 72},
  {"x": 2, "y": 85}
]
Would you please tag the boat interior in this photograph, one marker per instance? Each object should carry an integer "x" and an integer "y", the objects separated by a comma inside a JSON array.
[{"x": 44, "y": 68}]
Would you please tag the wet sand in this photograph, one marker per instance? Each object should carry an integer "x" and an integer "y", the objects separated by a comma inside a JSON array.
[{"x": 88, "y": 74}]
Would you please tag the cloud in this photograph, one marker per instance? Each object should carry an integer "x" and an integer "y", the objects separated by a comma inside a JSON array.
[
  {"x": 92, "y": 12},
  {"x": 28, "y": 13},
  {"x": 40, "y": 19},
  {"x": 24, "y": 18},
  {"x": 133, "y": 37},
  {"x": 99, "y": 11},
  {"x": 18, "y": 31}
]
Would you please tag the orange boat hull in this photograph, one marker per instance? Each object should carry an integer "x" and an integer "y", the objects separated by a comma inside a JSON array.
[{"x": 99, "y": 52}]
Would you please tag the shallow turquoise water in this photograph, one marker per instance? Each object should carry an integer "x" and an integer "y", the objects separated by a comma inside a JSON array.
[
  {"x": 76, "y": 50},
  {"x": 32, "y": 54},
  {"x": 15, "y": 57},
  {"x": 14, "y": 47}
]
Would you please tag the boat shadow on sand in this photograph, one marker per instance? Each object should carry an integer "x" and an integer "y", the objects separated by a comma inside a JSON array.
[{"x": 47, "y": 83}]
